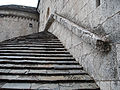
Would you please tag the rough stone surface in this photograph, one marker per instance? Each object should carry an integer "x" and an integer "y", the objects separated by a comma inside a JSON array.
[
  {"x": 102, "y": 21},
  {"x": 16, "y": 85}
]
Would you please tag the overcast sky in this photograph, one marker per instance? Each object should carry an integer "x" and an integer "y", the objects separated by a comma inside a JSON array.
[{"x": 32, "y": 3}]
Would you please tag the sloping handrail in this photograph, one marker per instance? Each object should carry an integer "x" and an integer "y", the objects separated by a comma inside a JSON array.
[{"x": 100, "y": 43}]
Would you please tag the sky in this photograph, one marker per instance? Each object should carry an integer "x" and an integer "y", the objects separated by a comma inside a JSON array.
[{"x": 32, "y": 3}]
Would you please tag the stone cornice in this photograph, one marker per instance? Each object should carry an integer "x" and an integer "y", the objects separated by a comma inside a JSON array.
[{"x": 18, "y": 16}]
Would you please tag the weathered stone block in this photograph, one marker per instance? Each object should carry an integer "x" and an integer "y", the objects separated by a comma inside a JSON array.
[
  {"x": 105, "y": 85},
  {"x": 118, "y": 59}
]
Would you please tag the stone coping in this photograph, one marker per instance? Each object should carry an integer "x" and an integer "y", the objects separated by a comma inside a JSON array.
[{"x": 100, "y": 43}]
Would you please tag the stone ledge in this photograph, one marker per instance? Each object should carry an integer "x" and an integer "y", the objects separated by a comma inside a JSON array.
[{"x": 100, "y": 43}]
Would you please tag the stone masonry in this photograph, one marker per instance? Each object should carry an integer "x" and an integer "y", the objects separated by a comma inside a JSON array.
[
  {"x": 16, "y": 20},
  {"x": 100, "y": 17}
]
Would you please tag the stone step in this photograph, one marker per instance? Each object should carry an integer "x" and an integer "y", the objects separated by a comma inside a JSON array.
[
  {"x": 37, "y": 58},
  {"x": 33, "y": 46},
  {"x": 37, "y": 62},
  {"x": 45, "y": 79},
  {"x": 43, "y": 72},
  {"x": 38, "y": 66},
  {"x": 35, "y": 55},
  {"x": 33, "y": 38},
  {"x": 34, "y": 51},
  {"x": 48, "y": 86},
  {"x": 29, "y": 42},
  {"x": 16, "y": 42},
  {"x": 37, "y": 39},
  {"x": 42, "y": 39}
]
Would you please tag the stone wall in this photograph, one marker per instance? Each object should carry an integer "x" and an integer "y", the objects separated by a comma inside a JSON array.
[
  {"x": 17, "y": 23},
  {"x": 102, "y": 19}
]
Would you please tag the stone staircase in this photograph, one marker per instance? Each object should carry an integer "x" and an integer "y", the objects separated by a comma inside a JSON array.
[{"x": 40, "y": 61}]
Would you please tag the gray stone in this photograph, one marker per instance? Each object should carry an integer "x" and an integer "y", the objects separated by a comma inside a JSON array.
[
  {"x": 2, "y": 83},
  {"x": 71, "y": 86},
  {"x": 45, "y": 86},
  {"x": 16, "y": 86},
  {"x": 101, "y": 20}
]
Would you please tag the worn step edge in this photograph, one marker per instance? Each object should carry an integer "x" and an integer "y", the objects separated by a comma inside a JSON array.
[
  {"x": 36, "y": 62},
  {"x": 35, "y": 55},
  {"x": 43, "y": 71},
  {"x": 40, "y": 65},
  {"x": 40, "y": 45},
  {"x": 46, "y": 81},
  {"x": 46, "y": 39},
  {"x": 39, "y": 78},
  {"x": 30, "y": 42},
  {"x": 36, "y": 52},
  {"x": 32, "y": 38},
  {"x": 20, "y": 43},
  {"x": 45, "y": 49},
  {"x": 37, "y": 58},
  {"x": 43, "y": 74},
  {"x": 47, "y": 68},
  {"x": 41, "y": 86},
  {"x": 32, "y": 47},
  {"x": 17, "y": 45},
  {"x": 36, "y": 38}
]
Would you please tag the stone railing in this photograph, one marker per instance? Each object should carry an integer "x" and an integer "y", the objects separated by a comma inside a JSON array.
[{"x": 99, "y": 43}]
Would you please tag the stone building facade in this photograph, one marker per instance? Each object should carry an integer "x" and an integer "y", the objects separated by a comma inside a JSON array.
[
  {"x": 99, "y": 17},
  {"x": 17, "y": 21}
]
